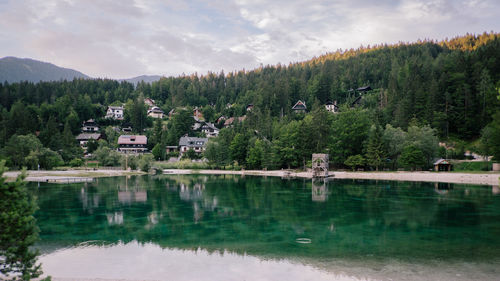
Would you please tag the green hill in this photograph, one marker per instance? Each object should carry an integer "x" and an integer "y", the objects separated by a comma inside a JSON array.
[{"x": 15, "y": 70}]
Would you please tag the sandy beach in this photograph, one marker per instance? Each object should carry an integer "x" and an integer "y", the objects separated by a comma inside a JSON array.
[
  {"x": 464, "y": 178},
  {"x": 76, "y": 175},
  {"x": 80, "y": 175}
]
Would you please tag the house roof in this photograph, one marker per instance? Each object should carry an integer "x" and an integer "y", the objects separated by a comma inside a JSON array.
[
  {"x": 192, "y": 141},
  {"x": 210, "y": 126},
  {"x": 155, "y": 109},
  {"x": 356, "y": 101},
  {"x": 90, "y": 123},
  {"x": 115, "y": 107},
  {"x": 231, "y": 120},
  {"x": 364, "y": 89},
  {"x": 132, "y": 139},
  {"x": 300, "y": 105},
  {"x": 442, "y": 162},
  {"x": 84, "y": 136}
]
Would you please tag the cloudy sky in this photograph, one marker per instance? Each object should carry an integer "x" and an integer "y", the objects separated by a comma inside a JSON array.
[{"x": 126, "y": 38}]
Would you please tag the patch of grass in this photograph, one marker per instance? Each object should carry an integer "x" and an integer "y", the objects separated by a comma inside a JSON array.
[
  {"x": 183, "y": 164},
  {"x": 482, "y": 166}
]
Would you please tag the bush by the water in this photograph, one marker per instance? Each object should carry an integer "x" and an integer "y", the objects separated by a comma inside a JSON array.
[
  {"x": 134, "y": 162},
  {"x": 183, "y": 164}
]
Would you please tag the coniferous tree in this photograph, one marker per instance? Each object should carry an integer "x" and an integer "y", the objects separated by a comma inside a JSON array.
[
  {"x": 19, "y": 231},
  {"x": 375, "y": 154}
]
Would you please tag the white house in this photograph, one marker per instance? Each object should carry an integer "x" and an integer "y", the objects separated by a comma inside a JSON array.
[
  {"x": 84, "y": 138},
  {"x": 149, "y": 102},
  {"x": 132, "y": 143},
  {"x": 115, "y": 112},
  {"x": 196, "y": 144},
  {"x": 332, "y": 106},
  {"x": 210, "y": 130},
  {"x": 155, "y": 112},
  {"x": 90, "y": 126}
]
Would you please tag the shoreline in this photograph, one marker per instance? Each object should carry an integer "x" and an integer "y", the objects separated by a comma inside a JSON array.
[
  {"x": 68, "y": 176},
  {"x": 65, "y": 176},
  {"x": 444, "y": 177}
]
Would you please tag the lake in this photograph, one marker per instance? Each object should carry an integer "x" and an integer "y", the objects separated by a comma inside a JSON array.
[{"x": 195, "y": 227}]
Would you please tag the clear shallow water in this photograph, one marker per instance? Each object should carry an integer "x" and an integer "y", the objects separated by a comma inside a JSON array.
[{"x": 256, "y": 228}]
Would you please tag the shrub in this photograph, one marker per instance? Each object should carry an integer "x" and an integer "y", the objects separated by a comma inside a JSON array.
[
  {"x": 107, "y": 157},
  {"x": 145, "y": 162},
  {"x": 77, "y": 162},
  {"x": 355, "y": 161},
  {"x": 412, "y": 157}
]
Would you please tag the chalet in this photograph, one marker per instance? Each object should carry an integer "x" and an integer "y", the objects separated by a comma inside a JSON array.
[
  {"x": 171, "y": 148},
  {"x": 127, "y": 127},
  {"x": 149, "y": 102},
  {"x": 332, "y": 106},
  {"x": 155, "y": 112},
  {"x": 442, "y": 165},
  {"x": 197, "y": 123},
  {"x": 132, "y": 143},
  {"x": 197, "y": 113},
  {"x": 196, "y": 144},
  {"x": 115, "y": 112},
  {"x": 299, "y": 107},
  {"x": 90, "y": 126},
  {"x": 220, "y": 119},
  {"x": 84, "y": 138},
  {"x": 210, "y": 130},
  {"x": 229, "y": 122},
  {"x": 357, "y": 101},
  {"x": 364, "y": 89}
]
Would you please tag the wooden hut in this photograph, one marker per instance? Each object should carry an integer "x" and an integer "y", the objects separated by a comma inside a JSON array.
[
  {"x": 442, "y": 165},
  {"x": 320, "y": 165}
]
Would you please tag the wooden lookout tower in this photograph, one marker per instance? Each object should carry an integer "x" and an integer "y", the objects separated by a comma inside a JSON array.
[{"x": 320, "y": 165}]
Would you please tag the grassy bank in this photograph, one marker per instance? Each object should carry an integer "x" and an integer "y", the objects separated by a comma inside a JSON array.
[
  {"x": 482, "y": 166},
  {"x": 187, "y": 164}
]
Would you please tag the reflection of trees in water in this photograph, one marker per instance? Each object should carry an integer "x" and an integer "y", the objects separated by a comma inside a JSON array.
[{"x": 266, "y": 215}]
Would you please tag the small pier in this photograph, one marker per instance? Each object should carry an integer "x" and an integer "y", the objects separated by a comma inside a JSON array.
[{"x": 61, "y": 180}]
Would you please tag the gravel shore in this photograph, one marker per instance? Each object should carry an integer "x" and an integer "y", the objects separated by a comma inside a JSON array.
[{"x": 464, "y": 178}]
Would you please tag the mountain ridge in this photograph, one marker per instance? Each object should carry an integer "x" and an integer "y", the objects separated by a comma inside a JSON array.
[{"x": 14, "y": 69}]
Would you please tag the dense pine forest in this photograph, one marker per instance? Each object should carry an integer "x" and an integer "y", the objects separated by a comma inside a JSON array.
[{"x": 420, "y": 93}]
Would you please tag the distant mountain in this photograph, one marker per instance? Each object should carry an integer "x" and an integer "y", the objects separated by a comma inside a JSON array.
[
  {"x": 14, "y": 69},
  {"x": 145, "y": 78}
]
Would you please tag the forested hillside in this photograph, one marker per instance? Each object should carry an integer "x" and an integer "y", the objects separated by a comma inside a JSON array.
[
  {"x": 15, "y": 70},
  {"x": 451, "y": 86}
]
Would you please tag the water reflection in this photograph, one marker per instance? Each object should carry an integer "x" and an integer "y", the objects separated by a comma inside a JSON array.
[
  {"x": 342, "y": 219},
  {"x": 319, "y": 190},
  {"x": 134, "y": 261}
]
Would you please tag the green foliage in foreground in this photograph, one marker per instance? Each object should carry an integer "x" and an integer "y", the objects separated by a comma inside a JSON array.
[{"x": 18, "y": 230}]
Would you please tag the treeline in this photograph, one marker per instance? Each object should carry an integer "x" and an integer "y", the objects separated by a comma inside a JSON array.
[
  {"x": 353, "y": 138},
  {"x": 449, "y": 86}
]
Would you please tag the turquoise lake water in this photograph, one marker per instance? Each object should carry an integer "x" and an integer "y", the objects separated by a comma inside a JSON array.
[{"x": 256, "y": 228}]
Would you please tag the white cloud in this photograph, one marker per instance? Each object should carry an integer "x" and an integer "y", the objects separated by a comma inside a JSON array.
[{"x": 132, "y": 37}]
